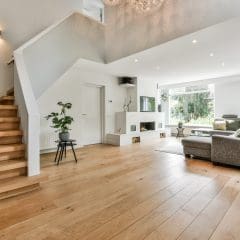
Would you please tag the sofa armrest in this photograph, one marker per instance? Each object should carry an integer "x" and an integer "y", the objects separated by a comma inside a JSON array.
[{"x": 226, "y": 149}]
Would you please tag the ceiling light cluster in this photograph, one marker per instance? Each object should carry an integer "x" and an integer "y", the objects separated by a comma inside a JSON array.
[
  {"x": 112, "y": 2},
  {"x": 195, "y": 41},
  {"x": 141, "y": 6}
]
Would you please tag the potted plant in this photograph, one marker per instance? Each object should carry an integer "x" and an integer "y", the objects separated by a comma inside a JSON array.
[
  {"x": 164, "y": 97},
  {"x": 61, "y": 121}
]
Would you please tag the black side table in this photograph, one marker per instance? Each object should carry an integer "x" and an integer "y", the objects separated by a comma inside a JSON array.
[
  {"x": 180, "y": 132},
  {"x": 62, "y": 148}
]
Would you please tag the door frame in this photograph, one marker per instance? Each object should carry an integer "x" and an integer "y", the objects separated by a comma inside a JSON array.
[{"x": 102, "y": 108}]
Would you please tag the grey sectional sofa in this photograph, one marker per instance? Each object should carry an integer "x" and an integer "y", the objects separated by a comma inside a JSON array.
[
  {"x": 218, "y": 148},
  {"x": 225, "y": 150},
  {"x": 232, "y": 125},
  {"x": 197, "y": 146}
]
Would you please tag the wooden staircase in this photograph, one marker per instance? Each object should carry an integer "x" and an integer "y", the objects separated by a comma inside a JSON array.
[{"x": 13, "y": 164}]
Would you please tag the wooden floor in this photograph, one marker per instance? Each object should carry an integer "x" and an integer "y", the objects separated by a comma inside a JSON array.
[{"x": 132, "y": 192}]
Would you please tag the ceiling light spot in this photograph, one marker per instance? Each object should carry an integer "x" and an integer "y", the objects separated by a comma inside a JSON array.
[
  {"x": 194, "y": 41},
  {"x": 211, "y": 54},
  {"x": 223, "y": 64},
  {"x": 136, "y": 60},
  {"x": 158, "y": 68}
]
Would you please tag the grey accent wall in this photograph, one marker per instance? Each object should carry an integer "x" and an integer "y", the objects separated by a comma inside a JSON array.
[{"x": 129, "y": 32}]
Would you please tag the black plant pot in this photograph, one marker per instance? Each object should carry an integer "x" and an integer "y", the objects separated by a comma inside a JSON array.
[
  {"x": 64, "y": 136},
  {"x": 180, "y": 125}
]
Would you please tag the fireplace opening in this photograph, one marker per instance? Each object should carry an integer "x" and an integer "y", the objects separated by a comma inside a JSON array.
[{"x": 147, "y": 126}]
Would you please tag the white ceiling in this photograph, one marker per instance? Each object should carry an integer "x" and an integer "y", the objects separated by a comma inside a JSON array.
[{"x": 181, "y": 60}]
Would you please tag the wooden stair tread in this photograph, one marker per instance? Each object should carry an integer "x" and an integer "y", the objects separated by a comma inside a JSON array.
[
  {"x": 8, "y": 107},
  {"x": 12, "y": 164},
  {"x": 11, "y": 148},
  {"x": 9, "y": 119},
  {"x": 15, "y": 183},
  {"x": 7, "y": 98},
  {"x": 11, "y": 133}
]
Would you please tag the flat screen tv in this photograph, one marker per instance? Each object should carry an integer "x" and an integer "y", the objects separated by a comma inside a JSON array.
[{"x": 147, "y": 104}]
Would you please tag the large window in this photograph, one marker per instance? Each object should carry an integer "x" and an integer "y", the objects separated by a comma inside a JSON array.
[{"x": 192, "y": 105}]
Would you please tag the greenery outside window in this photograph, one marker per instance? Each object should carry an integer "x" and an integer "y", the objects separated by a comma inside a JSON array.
[{"x": 192, "y": 105}]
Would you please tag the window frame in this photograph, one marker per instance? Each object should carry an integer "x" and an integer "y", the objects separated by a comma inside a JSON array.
[{"x": 211, "y": 89}]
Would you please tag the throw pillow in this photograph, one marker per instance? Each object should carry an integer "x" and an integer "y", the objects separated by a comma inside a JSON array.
[
  {"x": 232, "y": 125},
  {"x": 219, "y": 125},
  {"x": 237, "y": 133}
]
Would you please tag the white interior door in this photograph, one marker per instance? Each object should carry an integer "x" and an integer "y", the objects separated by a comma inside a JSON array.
[{"x": 91, "y": 115}]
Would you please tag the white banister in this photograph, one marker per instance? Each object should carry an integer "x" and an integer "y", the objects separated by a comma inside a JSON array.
[{"x": 28, "y": 111}]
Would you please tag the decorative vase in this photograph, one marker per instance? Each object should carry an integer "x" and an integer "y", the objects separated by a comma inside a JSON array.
[
  {"x": 125, "y": 108},
  {"x": 64, "y": 136}
]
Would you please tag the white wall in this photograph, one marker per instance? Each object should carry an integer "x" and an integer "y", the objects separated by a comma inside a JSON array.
[
  {"x": 227, "y": 98},
  {"x": 6, "y": 72},
  {"x": 94, "y": 9},
  {"x": 22, "y": 20},
  {"x": 67, "y": 89},
  {"x": 49, "y": 55}
]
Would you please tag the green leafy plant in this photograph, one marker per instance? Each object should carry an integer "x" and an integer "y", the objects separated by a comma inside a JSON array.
[
  {"x": 61, "y": 121},
  {"x": 164, "y": 97}
]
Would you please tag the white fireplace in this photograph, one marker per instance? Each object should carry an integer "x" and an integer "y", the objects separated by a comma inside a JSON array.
[
  {"x": 137, "y": 122},
  {"x": 132, "y": 127}
]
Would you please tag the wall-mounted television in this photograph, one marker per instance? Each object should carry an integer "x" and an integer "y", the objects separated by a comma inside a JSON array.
[{"x": 147, "y": 104}]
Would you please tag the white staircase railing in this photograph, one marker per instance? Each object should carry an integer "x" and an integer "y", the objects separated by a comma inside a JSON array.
[{"x": 28, "y": 111}]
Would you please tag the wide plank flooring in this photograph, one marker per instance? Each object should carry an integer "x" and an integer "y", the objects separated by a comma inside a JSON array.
[{"x": 127, "y": 193}]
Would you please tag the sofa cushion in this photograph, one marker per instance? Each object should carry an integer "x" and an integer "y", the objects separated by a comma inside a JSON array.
[
  {"x": 237, "y": 133},
  {"x": 232, "y": 125},
  {"x": 197, "y": 142},
  {"x": 219, "y": 125}
]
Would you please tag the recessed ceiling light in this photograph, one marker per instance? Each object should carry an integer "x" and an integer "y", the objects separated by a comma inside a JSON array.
[
  {"x": 223, "y": 64},
  {"x": 211, "y": 54},
  {"x": 194, "y": 41},
  {"x": 136, "y": 60}
]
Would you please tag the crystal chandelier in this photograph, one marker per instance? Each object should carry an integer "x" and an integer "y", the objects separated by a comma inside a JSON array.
[
  {"x": 141, "y": 6},
  {"x": 144, "y": 6},
  {"x": 112, "y": 2}
]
